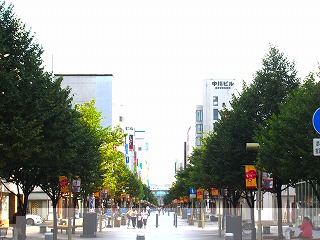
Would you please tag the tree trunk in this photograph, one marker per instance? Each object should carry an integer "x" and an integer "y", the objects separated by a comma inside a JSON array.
[
  {"x": 55, "y": 221},
  {"x": 278, "y": 186}
]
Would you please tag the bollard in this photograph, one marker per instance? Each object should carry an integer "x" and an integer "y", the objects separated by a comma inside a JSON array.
[
  {"x": 176, "y": 220},
  {"x": 140, "y": 237},
  {"x": 253, "y": 234},
  {"x": 48, "y": 236},
  {"x": 168, "y": 213},
  {"x": 157, "y": 220}
]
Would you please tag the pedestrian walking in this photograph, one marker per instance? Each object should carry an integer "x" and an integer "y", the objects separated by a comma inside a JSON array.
[
  {"x": 144, "y": 215},
  {"x": 133, "y": 216}
]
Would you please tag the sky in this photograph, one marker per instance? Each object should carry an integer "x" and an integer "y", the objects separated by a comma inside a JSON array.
[{"x": 159, "y": 51}]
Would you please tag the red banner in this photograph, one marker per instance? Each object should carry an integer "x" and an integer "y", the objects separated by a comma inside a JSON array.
[
  {"x": 199, "y": 194},
  {"x": 63, "y": 182},
  {"x": 251, "y": 175},
  {"x": 131, "y": 142}
]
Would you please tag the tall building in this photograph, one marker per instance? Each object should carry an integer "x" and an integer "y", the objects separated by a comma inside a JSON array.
[
  {"x": 136, "y": 153},
  {"x": 216, "y": 94},
  {"x": 85, "y": 87}
]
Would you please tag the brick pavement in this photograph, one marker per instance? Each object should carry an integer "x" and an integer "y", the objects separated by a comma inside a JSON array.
[{"x": 165, "y": 230}]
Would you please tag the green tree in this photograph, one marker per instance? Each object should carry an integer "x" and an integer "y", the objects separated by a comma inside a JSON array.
[
  {"x": 286, "y": 145},
  {"x": 257, "y": 102},
  {"x": 22, "y": 87},
  {"x": 39, "y": 139}
]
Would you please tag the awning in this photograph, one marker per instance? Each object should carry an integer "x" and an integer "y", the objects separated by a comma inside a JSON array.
[{"x": 38, "y": 196}]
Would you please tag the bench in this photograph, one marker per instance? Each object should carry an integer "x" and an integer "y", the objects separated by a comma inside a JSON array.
[
  {"x": 266, "y": 229},
  {"x": 4, "y": 233},
  {"x": 43, "y": 228},
  {"x": 63, "y": 227},
  {"x": 275, "y": 237}
]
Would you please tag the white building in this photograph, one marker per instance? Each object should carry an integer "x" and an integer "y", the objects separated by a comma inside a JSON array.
[
  {"x": 216, "y": 94},
  {"x": 136, "y": 153}
]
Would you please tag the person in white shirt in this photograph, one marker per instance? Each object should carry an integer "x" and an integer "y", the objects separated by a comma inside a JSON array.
[
  {"x": 133, "y": 216},
  {"x": 144, "y": 215}
]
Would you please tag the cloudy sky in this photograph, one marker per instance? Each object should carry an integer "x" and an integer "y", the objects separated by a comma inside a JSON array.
[{"x": 159, "y": 51}]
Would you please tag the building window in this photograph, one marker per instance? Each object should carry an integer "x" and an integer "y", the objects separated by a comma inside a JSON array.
[
  {"x": 199, "y": 128},
  {"x": 199, "y": 115},
  {"x": 198, "y": 141},
  {"x": 215, "y": 100},
  {"x": 215, "y": 114}
]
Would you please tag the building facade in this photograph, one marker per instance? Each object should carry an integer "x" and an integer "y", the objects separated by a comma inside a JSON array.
[
  {"x": 85, "y": 87},
  {"x": 216, "y": 94},
  {"x": 136, "y": 153}
]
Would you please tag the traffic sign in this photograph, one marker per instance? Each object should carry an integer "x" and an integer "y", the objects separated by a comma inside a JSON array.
[
  {"x": 316, "y": 120},
  {"x": 192, "y": 191},
  {"x": 316, "y": 147},
  {"x": 193, "y": 195}
]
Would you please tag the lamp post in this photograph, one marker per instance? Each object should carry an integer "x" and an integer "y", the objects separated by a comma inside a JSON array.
[{"x": 255, "y": 147}]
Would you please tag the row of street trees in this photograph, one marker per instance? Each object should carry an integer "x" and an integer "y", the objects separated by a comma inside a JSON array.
[
  {"x": 274, "y": 110},
  {"x": 42, "y": 136}
]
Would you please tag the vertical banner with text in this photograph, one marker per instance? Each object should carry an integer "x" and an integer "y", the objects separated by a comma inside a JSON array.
[
  {"x": 251, "y": 175},
  {"x": 63, "y": 182},
  {"x": 214, "y": 192}
]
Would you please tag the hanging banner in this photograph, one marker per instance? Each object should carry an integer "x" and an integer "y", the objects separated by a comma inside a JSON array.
[
  {"x": 267, "y": 181},
  {"x": 199, "y": 194},
  {"x": 251, "y": 175},
  {"x": 63, "y": 183},
  {"x": 130, "y": 142},
  {"x": 76, "y": 183},
  {"x": 214, "y": 192}
]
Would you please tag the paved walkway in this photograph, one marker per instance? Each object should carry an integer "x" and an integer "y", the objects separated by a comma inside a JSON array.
[{"x": 165, "y": 230}]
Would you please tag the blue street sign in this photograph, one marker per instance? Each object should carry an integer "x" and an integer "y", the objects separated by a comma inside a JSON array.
[
  {"x": 127, "y": 159},
  {"x": 316, "y": 120},
  {"x": 108, "y": 212},
  {"x": 192, "y": 191}
]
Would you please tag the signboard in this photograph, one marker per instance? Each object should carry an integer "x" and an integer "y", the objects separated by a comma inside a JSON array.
[
  {"x": 130, "y": 142},
  {"x": 63, "y": 182},
  {"x": 316, "y": 147},
  {"x": 192, "y": 191},
  {"x": 199, "y": 194},
  {"x": 214, "y": 192},
  {"x": 251, "y": 175},
  {"x": 193, "y": 195},
  {"x": 76, "y": 183},
  {"x": 188, "y": 211},
  {"x": 267, "y": 181},
  {"x": 109, "y": 212},
  {"x": 316, "y": 120},
  {"x": 222, "y": 84}
]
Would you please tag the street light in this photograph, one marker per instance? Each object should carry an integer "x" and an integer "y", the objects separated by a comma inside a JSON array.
[{"x": 256, "y": 147}]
